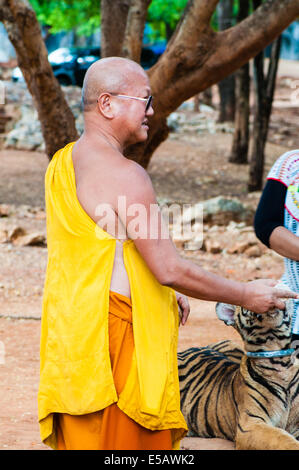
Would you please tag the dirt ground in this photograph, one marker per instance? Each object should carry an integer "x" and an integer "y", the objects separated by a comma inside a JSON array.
[{"x": 186, "y": 169}]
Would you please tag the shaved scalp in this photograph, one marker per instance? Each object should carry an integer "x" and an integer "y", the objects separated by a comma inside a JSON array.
[{"x": 111, "y": 74}]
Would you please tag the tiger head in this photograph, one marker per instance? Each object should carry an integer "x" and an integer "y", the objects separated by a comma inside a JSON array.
[{"x": 271, "y": 330}]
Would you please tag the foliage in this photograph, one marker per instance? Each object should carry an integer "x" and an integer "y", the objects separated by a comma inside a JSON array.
[
  {"x": 163, "y": 14},
  {"x": 84, "y": 15},
  {"x": 64, "y": 15}
]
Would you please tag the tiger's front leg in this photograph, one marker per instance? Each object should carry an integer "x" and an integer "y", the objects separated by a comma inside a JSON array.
[{"x": 254, "y": 435}]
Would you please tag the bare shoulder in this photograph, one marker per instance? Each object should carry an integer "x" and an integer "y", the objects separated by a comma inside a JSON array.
[
  {"x": 104, "y": 174},
  {"x": 135, "y": 169},
  {"x": 135, "y": 181}
]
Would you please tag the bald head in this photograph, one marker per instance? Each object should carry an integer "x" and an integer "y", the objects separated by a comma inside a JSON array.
[{"x": 111, "y": 74}]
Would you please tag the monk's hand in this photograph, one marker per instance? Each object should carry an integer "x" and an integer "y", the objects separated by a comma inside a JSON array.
[
  {"x": 261, "y": 295},
  {"x": 184, "y": 307}
]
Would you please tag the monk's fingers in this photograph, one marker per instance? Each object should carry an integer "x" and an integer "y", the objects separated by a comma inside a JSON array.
[
  {"x": 269, "y": 282},
  {"x": 180, "y": 313},
  {"x": 280, "y": 294},
  {"x": 279, "y": 304},
  {"x": 286, "y": 294},
  {"x": 185, "y": 317},
  {"x": 184, "y": 310}
]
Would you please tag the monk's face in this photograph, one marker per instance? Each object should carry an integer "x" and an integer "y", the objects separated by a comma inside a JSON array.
[{"x": 134, "y": 116}]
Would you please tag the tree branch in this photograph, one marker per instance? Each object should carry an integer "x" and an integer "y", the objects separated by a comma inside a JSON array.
[
  {"x": 196, "y": 17},
  {"x": 254, "y": 33},
  {"x": 198, "y": 57}
]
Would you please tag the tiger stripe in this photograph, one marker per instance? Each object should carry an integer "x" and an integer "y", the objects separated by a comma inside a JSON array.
[{"x": 254, "y": 402}]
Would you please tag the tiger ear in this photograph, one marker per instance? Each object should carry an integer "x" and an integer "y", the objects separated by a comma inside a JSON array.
[{"x": 226, "y": 312}]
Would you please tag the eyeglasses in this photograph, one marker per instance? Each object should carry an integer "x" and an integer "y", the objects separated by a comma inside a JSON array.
[{"x": 148, "y": 101}]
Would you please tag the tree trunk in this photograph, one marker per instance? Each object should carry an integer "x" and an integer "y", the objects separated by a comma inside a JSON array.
[
  {"x": 207, "y": 97},
  {"x": 114, "y": 14},
  {"x": 239, "y": 152},
  {"x": 227, "y": 86},
  {"x": 133, "y": 37},
  {"x": 57, "y": 120},
  {"x": 227, "y": 99},
  {"x": 196, "y": 103},
  {"x": 264, "y": 98},
  {"x": 257, "y": 156}
]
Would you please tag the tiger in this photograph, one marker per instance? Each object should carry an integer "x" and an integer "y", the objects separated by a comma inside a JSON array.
[{"x": 253, "y": 401}]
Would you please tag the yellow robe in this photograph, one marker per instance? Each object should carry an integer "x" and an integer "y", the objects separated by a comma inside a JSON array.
[
  {"x": 110, "y": 428},
  {"x": 75, "y": 370}
]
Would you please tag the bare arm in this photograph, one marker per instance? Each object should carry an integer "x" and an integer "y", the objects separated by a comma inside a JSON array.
[
  {"x": 285, "y": 243},
  {"x": 172, "y": 270},
  {"x": 269, "y": 221}
]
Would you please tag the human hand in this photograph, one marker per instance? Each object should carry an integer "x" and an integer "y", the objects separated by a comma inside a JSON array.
[
  {"x": 184, "y": 307},
  {"x": 260, "y": 296}
]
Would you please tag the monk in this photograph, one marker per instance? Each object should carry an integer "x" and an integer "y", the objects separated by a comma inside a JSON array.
[{"x": 108, "y": 374}]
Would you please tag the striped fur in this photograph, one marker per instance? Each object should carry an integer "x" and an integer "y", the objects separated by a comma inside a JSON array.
[{"x": 254, "y": 402}]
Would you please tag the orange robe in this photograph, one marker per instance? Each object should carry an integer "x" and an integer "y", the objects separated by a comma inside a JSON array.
[{"x": 111, "y": 428}]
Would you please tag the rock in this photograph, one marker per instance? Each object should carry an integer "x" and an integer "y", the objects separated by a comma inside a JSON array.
[
  {"x": 205, "y": 180},
  {"x": 174, "y": 121},
  {"x": 194, "y": 245},
  {"x": 15, "y": 232},
  {"x": 225, "y": 127},
  {"x": 247, "y": 229},
  {"x": 219, "y": 211},
  {"x": 253, "y": 252},
  {"x": 4, "y": 210},
  {"x": 274, "y": 254},
  {"x": 31, "y": 239},
  {"x": 213, "y": 229},
  {"x": 239, "y": 247},
  {"x": 189, "y": 105},
  {"x": 3, "y": 236},
  {"x": 25, "y": 129},
  {"x": 251, "y": 238},
  {"x": 212, "y": 246},
  {"x": 179, "y": 244},
  {"x": 26, "y": 134},
  {"x": 41, "y": 215},
  {"x": 204, "y": 108}
]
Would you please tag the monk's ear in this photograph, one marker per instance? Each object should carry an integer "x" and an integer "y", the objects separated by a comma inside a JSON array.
[
  {"x": 226, "y": 313},
  {"x": 105, "y": 106}
]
